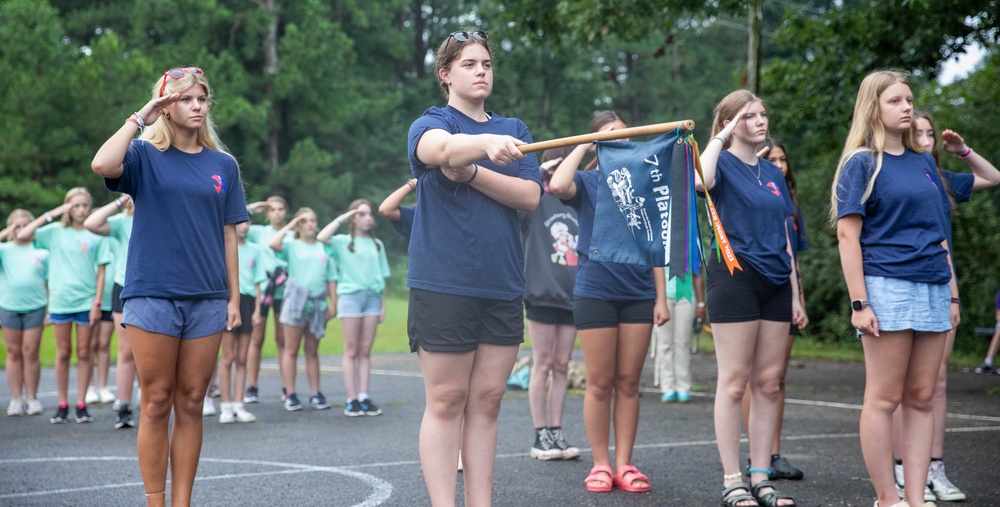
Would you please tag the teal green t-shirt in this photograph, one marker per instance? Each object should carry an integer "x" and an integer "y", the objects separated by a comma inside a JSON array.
[
  {"x": 108, "y": 255},
  {"x": 308, "y": 264},
  {"x": 366, "y": 267},
  {"x": 261, "y": 235},
  {"x": 23, "y": 271},
  {"x": 121, "y": 230},
  {"x": 73, "y": 257},
  {"x": 251, "y": 268}
]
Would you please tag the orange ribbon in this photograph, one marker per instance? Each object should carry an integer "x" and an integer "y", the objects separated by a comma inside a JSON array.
[{"x": 725, "y": 248}]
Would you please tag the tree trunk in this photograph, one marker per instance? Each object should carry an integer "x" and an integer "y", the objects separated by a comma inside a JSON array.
[{"x": 753, "y": 45}]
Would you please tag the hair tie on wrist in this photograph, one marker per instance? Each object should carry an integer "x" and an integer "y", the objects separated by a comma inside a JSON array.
[
  {"x": 474, "y": 174},
  {"x": 721, "y": 140},
  {"x": 413, "y": 188},
  {"x": 48, "y": 217},
  {"x": 968, "y": 151}
]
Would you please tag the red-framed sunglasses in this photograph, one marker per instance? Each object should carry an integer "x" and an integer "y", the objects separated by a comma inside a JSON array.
[{"x": 178, "y": 73}]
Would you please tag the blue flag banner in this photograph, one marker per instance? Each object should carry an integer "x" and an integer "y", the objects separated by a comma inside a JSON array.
[{"x": 646, "y": 211}]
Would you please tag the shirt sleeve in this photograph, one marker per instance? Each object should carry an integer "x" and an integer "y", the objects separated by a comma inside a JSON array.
[
  {"x": 383, "y": 259},
  {"x": 131, "y": 166},
  {"x": 236, "y": 204},
  {"x": 854, "y": 177}
]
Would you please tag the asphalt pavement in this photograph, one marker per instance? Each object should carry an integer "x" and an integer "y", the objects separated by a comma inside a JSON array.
[{"x": 317, "y": 457}]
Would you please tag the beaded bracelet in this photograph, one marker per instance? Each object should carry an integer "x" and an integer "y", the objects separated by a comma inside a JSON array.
[{"x": 968, "y": 151}]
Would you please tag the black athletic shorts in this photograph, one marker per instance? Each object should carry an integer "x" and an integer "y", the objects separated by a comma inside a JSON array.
[
  {"x": 745, "y": 296},
  {"x": 597, "y": 313},
  {"x": 246, "y": 314},
  {"x": 439, "y": 322},
  {"x": 548, "y": 314}
]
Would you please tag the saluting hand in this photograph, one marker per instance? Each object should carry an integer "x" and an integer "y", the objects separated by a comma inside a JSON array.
[{"x": 154, "y": 108}]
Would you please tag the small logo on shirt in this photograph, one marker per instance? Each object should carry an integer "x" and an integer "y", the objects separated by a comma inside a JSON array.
[
  {"x": 84, "y": 247},
  {"x": 931, "y": 178},
  {"x": 774, "y": 188},
  {"x": 220, "y": 183}
]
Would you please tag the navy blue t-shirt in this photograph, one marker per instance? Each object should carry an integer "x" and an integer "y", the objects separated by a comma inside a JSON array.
[
  {"x": 463, "y": 242},
  {"x": 904, "y": 218},
  {"x": 182, "y": 203},
  {"x": 755, "y": 215},
  {"x": 404, "y": 226},
  {"x": 606, "y": 281},
  {"x": 960, "y": 185}
]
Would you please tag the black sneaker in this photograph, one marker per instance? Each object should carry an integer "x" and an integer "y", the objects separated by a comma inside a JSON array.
[
  {"x": 82, "y": 416},
  {"x": 984, "y": 369},
  {"x": 61, "y": 417},
  {"x": 781, "y": 469},
  {"x": 124, "y": 419},
  {"x": 559, "y": 441},
  {"x": 318, "y": 401},
  {"x": 292, "y": 403},
  {"x": 544, "y": 448},
  {"x": 251, "y": 395},
  {"x": 353, "y": 409},
  {"x": 369, "y": 408}
]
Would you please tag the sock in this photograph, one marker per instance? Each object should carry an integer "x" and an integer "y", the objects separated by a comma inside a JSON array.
[
  {"x": 124, "y": 404},
  {"x": 362, "y": 396},
  {"x": 775, "y": 456},
  {"x": 933, "y": 459},
  {"x": 554, "y": 428},
  {"x": 989, "y": 362},
  {"x": 63, "y": 404},
  {"x": 81, "y": 405}
]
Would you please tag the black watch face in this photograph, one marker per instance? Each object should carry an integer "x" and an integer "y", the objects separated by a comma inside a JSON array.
[{"x": 857, "y": 305}]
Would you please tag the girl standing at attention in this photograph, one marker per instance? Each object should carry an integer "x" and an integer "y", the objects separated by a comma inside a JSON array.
[
  {"x": 23, "y": 273},
  {"x": 179, "y": 295},
  {"x": 753, "y": 304},
  {"x": 890, "y": 210},
  {"x": 75, "y": 292},
  {"x": 306, "y": 307},
  {"x": 362, "y": 268},
  {"x": 466, "y": 273}
]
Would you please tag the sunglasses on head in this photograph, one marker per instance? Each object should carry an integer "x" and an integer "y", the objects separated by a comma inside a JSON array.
[
  {"x": 177, "y": 74},
  {"x": 462, "y": 36}
]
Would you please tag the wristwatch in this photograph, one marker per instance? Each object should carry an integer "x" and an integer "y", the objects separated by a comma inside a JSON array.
[{"x": 859, "y": 304}]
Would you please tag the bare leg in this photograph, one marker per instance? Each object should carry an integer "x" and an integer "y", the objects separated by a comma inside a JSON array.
[
  {"x": 64, "y": 347},
  {"x": 12, "y": 339},
  {"x": 766, "y": 374},
  {"x": 240, "y": 375},
  {"x": 632, "y": 344},
  {"x": 600, "y": 347},
  {"x": 351, "y": 327},
  {"x": 156, "y": 360},
  {"x": 446, "y": 388},
  {"x": 734, "y": 351},
  {"x": 125, "y": 369},
  {"x": 228, "y": 348},
  {"x": 310, "y": 349},
  {"x": 102, "y": 347},
  {"x": 290, "y": 358},
  {"x": 196, "y": 360},
  {"x": 84, "y": 364},
  {"x": 939, "y": 402},
  {"x": 565, "y": 338},
  {"x": 253, "y": 353},
  {"x": 884, "y": 376},
  {"x": 30, "y": 340},
  {"x": 543, "y": 347},
  {"x": 369, "y": 324},
  {"x": 918, "y": 417},
  {"x": 491, "y": 367}
]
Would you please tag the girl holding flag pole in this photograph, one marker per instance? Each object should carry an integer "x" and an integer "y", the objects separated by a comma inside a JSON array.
[
  {"x": 752, "y": 294},
  {"x": 615, "y": 307}
]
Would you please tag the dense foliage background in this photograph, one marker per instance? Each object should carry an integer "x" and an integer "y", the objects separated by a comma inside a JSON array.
[{"x": 314, "y": 97}]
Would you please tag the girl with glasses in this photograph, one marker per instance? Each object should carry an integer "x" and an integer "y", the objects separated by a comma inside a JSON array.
[
  {"x": 179, "y": 295},
  {"x": 466, "y": 273}
]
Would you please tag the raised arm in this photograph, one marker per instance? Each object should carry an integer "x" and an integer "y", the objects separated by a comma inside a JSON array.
[
  {"x": 324, "y": 235},
  {"x": 28, "y": 230},
  {"x": 107, "y": 162},
  {"x": 390, "y": 205},
  {"x": 710, "y": 155},
  {"x": 985, "y": 173},
  {"x": 457, "y": 154},
  {"x": 279, "y": 237},
  {"x": 97, "y": 222},
  {"x": 561, "y": 184}
]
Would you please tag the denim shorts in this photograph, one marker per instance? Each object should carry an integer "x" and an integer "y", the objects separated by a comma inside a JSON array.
[
  {"x": 22, "y": 320},
  {"x": 80, "y": 318},
  {"x": 180, "y": 318},
  {"x": 904, "y": 305},
  {"x": 362, "y": 303}
]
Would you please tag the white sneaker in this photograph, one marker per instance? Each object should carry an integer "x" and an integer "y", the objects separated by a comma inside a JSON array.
[
  {"x": 242, "y": 415},
  {"x": 34, "y": 407},
  {"x": 897, "y": 472},
  {"x": 208, "y": 409},
  {"x": 227, "y": 416},
  {"x": 943, "y": 489},
  {"x": 105, "y": 395},
  {"x": 92, "y": 396},
  {"x": 16, "y": 407},
  {"x": 117, "y": 405}
]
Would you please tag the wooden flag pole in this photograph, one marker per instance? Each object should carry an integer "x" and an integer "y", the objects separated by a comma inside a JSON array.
[{"x": 642, "y": 130}]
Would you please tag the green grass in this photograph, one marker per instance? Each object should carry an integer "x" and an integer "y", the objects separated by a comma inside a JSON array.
[{"x": 391, "y": 338}]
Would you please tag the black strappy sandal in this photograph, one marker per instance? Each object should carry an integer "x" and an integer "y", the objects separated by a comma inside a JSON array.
[
  {"x": 733, "y": 500},
  {"x": 771, "y": 498}
]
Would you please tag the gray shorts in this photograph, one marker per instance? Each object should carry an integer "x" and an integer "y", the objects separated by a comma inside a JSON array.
[
  {"x": 180, "y": 318},
  {"x": 901, "y": 304},
  {"x": 22, "y": 320},
  {"x": 362, "y": 303}
]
